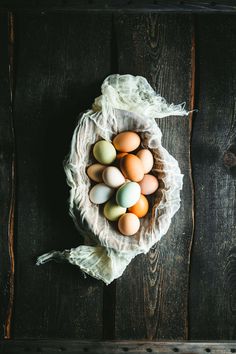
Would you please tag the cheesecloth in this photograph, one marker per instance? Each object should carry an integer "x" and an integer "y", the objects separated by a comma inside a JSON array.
[{"x": 127, "y": 103}]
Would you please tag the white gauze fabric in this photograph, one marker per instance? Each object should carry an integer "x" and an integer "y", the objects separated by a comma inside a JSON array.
[{"x": 127, "y": 103}]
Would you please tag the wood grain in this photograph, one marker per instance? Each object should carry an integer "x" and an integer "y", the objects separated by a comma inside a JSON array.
[
  {"x": 122, "y": 6},
  {"x": 152, "y": 295},
  {"x": 7, "y": 176},
  {"x": 213, "y": 295},
  {"x": 61, "y": 62},
  {"x": 115, "y": 347}
]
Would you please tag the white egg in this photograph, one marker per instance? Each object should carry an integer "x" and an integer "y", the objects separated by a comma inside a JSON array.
[
  {"x": 112, "y": 177},
  {"x": 100, "y": 193}
]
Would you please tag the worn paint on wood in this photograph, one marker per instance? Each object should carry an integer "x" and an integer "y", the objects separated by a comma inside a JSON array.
[{"x": 152, "y": 295}]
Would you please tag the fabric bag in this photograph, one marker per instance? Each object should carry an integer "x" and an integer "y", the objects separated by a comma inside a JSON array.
[{"x": 127, "y": 103}]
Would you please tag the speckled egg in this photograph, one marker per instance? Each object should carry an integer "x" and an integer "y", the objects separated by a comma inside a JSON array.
[
  {"x": 112, "y": 177},
  {"x": 128, "y": 194},
  {"x": 132, "y": 168},
  {"x": 146, "y": 157},
  {"x": 128, "y": 224},
  {"x": 104, "y": 152},
  {"x": 100, "y": 193},
  {"x": 126, "y": 141},
  {"x": 112, "y": 211}
]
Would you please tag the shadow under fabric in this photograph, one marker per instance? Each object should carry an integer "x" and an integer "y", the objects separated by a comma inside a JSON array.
[{"x": 127, "y": 103}]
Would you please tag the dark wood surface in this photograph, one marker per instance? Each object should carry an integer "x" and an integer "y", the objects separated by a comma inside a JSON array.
[
  {"x": 185, "y": 287},
  {"x": 213, "y": 278},
  {"x": 7, "y": 184},
  {"x": 121, "y": 6}
]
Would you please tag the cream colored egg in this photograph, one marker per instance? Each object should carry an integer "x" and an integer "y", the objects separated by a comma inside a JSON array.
[
  {"x": 146, "y": 157},
  {"x": 112, "y": 177}
]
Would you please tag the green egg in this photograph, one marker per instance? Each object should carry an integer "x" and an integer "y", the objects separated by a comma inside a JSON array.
[
  {"x": 128, "y": 194},
  {"x": 112, "y": 211},
  {"x": 104, "y": 152}
]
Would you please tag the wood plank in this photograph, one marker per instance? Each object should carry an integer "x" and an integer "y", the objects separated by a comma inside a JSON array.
[
  {"x": 61, "y": 62},
  {"x": 7, "y": 177},
  {"x": 213, "y": 276},
  {"x": 115, "y": 347},
  {"x": 152, "y": 295},
  {"x": 123, "y": 6}
]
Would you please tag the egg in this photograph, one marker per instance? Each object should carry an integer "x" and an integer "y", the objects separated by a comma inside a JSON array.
[
  {"x": 126, "y": 141},
  {"x": 140, "y": 209},
  {"x": 128, "y": 224},
  {"x": 132, "y": 168},
  {"x": 104, "y": 152},
  {"x": 149, "y": 184},
  {"x": 146, "y": 157},
  {"x": 112, "y": 211},
  {"x": 100, "y": 193},
  {"x": 120, "y": 155},
  {"x": 95, "y": 172},
  {"x": 128, "y": 194},
  {"x": 112, "y": 177}
]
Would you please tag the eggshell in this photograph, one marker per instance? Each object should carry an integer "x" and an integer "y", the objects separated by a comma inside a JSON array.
[
  {"x": 104, "y": 152},
  {"x": 112, "y": 211},
  {"x": 149, "y": 184},
  {"x": 112, "y": 177},
  {"x": 146, "y": 157},
  {"x": 128, "y": 194},
  {"x": 95, "y": 172},
  {"x": 128, "y": 224},
  {"x": 120, "y": 155},
  {"x": 126, "y": 141},
  {"x": 140, "y": 209},
  {"x": 100, "y": 193},
  {"x": 132, "y": 167}
]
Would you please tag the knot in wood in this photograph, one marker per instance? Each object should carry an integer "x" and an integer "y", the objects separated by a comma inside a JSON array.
[{"x": 229, "y": 159}]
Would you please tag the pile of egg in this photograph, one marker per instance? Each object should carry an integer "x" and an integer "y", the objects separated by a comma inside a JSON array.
[{"x": 124, "y": 185}]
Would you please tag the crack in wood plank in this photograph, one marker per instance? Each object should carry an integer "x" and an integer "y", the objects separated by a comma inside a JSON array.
[
  {"x": 192, "y": 103},
  {"x": 11, "y": 218}
]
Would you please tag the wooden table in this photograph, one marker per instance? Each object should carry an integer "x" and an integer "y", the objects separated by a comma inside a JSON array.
[{"x": 53, "y": 59}]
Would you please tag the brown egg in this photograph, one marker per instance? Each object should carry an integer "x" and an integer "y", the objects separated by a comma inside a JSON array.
[
  {"x": 120, "y": 155},
  {"x": 149, "y": 184},
  {"x": 95, "y": 172},
  {"x": 128, "y": 224},
  {"x": 126, "y": 141},
  {"x": 140, "y": 209},
  {"x": 132, "y": 168},
  {"x": 146, "y": 157}
]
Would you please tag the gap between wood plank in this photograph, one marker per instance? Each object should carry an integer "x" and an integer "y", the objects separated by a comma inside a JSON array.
[
  {"x": 192, "y": 103},
  {"x": 8, "y": 321}
]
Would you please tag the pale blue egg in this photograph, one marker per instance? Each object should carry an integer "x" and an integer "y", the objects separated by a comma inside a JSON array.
[
  {"x": 100, "y": 193},
  {"x": 128, "y": 194}
]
